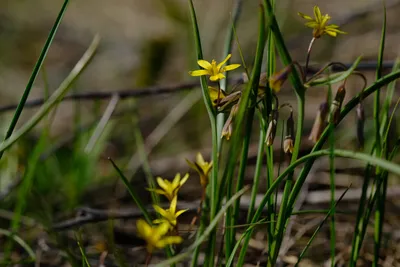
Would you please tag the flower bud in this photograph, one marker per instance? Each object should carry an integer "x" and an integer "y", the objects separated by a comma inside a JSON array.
[
  {"x": 278, "y": 78},
  {"x": 319, "y": 122},
  {"x": 360, "y": 125},
  {"x": 288, "y": 142},
  {"x": 337, "y": 105},
  {"x": 271, "y": 131},
  {"x": 227, "y": 129}
]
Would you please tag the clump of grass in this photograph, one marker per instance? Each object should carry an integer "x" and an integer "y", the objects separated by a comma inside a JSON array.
[{"x": 232, "y": 114}]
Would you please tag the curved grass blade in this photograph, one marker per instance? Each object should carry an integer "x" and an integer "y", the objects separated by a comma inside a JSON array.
[
  {"x": 303, "y": 252},
  {"x": 35, "y": 72},
  {"x": 55, "y": 97},
  {"x": 206, "y": 233},
  {"x": 20, "y": 242},
  {"x": 132, "y": 192}
]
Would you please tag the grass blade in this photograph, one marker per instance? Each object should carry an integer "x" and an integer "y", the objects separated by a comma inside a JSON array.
[
  {"x": 35, "y": 72},
  {"x": 55, "y": 97},
  {"x": 303, "y": 252},
  {"x": 132, "y": 192}
]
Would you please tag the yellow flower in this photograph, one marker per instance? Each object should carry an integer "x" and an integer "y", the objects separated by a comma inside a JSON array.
[
  {"x": 319, "y": 24},
  {"x": 213, "y": 69},
  {"x": 169, "y": 215},
  {"x": 170, "y": 190},
  {"x": 202, "y": 167},
  {"x": 155, "y": 236}
]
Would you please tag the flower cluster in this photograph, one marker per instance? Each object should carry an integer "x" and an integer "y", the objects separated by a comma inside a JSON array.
[{"x": 160, "y": 234}]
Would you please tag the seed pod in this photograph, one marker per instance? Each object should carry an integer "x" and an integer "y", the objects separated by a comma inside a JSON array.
[
  {"x": 319, "y": 122},
  {"x": 288, "y": 142},
  {"x": 360, "y": 125},
  {"x": 337, "y": 104},
  {"x": 271, "y": 131}
]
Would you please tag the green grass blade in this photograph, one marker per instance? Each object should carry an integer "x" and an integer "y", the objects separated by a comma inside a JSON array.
[
  {"x": 206, "y": 232},
  {"x": 55, "y": 97},
  {"x": 379, "y": 212},
  {"x": 20, "y": 242},
  {"x": 132, "y": 192},
  {"x": 331, "y": 211},
  {"x": 35, "y": 72}
]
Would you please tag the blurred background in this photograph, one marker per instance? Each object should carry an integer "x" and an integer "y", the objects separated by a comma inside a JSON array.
[{"x": 146, "y": 44}]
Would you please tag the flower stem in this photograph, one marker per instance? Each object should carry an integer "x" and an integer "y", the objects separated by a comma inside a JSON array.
[{"x": 310, "y": 46}]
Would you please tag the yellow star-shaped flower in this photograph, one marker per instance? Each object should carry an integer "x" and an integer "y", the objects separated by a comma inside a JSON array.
[
  {"x": 319, "y": 24},
  {"x": 170, "y": 190},
  {"x": 169, "y": 215},
  {"x": 202, "y": 167},
  {"x": 155, "y": 236},
  {"x": 214, "y": 70}
]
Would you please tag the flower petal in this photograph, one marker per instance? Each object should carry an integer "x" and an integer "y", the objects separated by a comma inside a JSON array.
[
  {"x": 217, "y": 77},
  {"x": 160, "y": 211},
  {"x": 168, "y": 241},
  {"x": 231, "y": 67},
  {"x": 198, "y": 72},
  {"x": 204, "y": 64},
  {"x": 224, "y": 61},
  {"x": 162, "y": 183},
  {"x": 172, "y": 206},
  {"x": 179, "y": 212},
  {"x": 304, "y": 16},
  {"x": 192, "y": 165},
  {"x": 143, "y": 228},
  {"x": 162, "y": 229},
  {"x": 184, "y": 179},
  {"x": 200, "y": 159},
  {"x": 317, "y": 14}
]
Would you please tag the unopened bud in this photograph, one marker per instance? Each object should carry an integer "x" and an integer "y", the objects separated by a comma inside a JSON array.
[
  {"x": 288, "y": 142},
  {"x": 271, "y": 131},
  {"x": 319, "y": 122},
  {"x": 278, "y": 78},
  {"x": 227, "y": 129},
  {"x": 337, "y": 105},
  {"x": 360, "y": 125}
]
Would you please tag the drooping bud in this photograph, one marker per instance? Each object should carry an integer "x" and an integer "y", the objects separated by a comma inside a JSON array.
[
  {"x": 337, "y": 105},
  {"x": 227, "y": 129},
  {"x": 360, "y": 124},
  {"x": 278, "y": 78},
  {"x": 289, "y": 142},
  {"x": 319, "y": 122},
  {"x": 271, "y": 131}
]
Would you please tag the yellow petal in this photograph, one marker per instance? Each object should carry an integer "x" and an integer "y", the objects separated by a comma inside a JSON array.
[
  {"x": 176, "y": 180},
  {"x": 311, "y": 24},
  {"x": 172, "y": 206},
  {"x": 200, "y": 159},
  {"x": 304, "y": 16},
  {"x": 331, "y": 33},
  {"x": 204, "y": 64},
  {"x": 179, "y": 212},
  {"x": 162, "y": 183},
  {"x": 168, "y": 241},
  {"x": 231, "y": 67},
  {"x": 184, "y": 179},
  {"x": 317, "y": 14},
  {"x": 224, "y": 61},
  {"x": 162, "y": 229},
  {"x": 143, "y": 228},
  {"x": 160, "y": 211},
  {"x": 217, "y": 77},
  {"x": 198, "y": 72}
]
